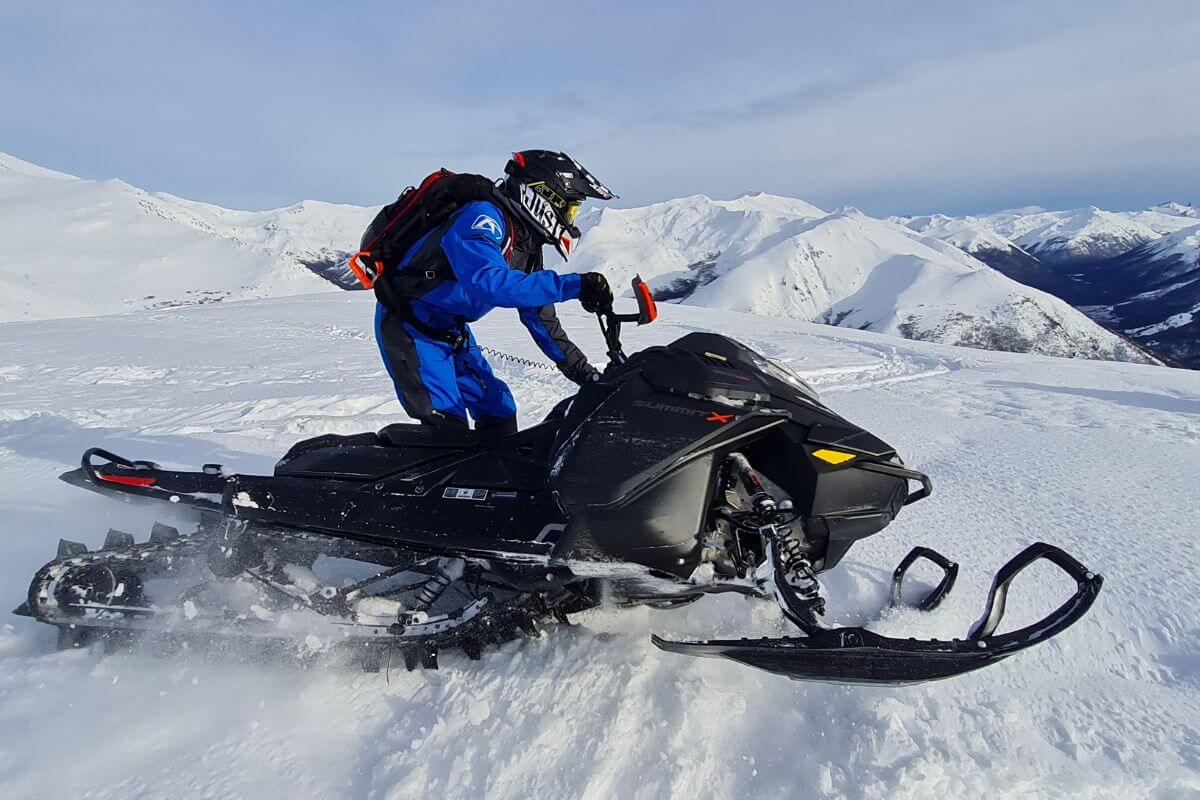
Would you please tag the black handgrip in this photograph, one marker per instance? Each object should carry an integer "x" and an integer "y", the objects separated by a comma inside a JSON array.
[{"x": 998, "y": 595}]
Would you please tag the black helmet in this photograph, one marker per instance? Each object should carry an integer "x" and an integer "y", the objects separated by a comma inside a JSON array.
[{"x": 546, "y": 189}]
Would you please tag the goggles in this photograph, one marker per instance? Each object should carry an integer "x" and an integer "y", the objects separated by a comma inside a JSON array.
[{"x": 566, "y": 209}]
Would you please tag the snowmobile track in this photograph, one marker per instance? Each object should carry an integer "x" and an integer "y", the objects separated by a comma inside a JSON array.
[{"x": 98, "y": 596}]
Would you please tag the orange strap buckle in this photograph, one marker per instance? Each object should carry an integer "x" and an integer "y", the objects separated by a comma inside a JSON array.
[{"x": 366, "y": 269}]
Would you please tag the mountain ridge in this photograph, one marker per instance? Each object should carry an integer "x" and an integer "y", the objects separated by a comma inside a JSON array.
[
  {"x": 842, "y": 268},
  {"x": 1135, "y": 272},
  {"x": 123, "y": 248}
]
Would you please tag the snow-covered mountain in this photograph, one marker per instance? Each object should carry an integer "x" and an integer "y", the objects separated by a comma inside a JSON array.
[
  {"x": 1057, "y": 237},
  {"x": 1060, "y": 236},
  {"x": 998, "y": 252},
  {"x": 118, "y": 248},
  {"x": 1164, "y": 314},
  {"x": 1175, "y": 208},
  {"x": 782, "y": 257},
  {"x": 1136, "y": 272},
  {"x": 72, "y": 247}
]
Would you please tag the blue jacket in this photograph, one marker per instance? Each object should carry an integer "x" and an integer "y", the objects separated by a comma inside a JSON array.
[{"x": 475, "y": 247}]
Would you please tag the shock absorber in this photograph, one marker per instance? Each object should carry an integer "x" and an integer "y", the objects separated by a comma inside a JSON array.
[
  {"x": 790, "y": 551},
  {"x": 764, "y": 505},
  {"x": 449, "y": 570}
]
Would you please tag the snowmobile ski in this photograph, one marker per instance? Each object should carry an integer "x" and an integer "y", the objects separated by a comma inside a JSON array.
[{"x": 857, "y": 655}]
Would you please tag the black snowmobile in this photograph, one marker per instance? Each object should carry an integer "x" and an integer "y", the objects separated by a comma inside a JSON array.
[{"x": 696, "y": 468}]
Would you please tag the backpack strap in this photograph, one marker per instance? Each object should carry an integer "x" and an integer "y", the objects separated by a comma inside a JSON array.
[
  {"x": 456, "y": 337},
  {"x": 427, "y": 270}
]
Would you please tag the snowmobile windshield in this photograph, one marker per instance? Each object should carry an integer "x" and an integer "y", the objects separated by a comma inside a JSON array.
[{"x": 782, "y": 373}]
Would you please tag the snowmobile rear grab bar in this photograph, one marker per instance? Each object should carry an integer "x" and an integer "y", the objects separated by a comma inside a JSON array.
[{"x": 89, "y": 467}]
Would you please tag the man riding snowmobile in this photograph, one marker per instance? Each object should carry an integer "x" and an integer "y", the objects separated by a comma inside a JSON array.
[
  {"x": 689, "y": 469},
  {"x": 479, "y": 247}
]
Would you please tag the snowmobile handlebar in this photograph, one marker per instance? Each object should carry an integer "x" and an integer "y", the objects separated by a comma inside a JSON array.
[{"x": 610, "y": 321}]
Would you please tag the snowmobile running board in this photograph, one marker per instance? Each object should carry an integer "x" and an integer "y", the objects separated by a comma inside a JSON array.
[{"x": 856, "y": 655}]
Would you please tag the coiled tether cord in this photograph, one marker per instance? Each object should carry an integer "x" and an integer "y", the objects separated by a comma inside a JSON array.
[{"x": 524, "y": 362}]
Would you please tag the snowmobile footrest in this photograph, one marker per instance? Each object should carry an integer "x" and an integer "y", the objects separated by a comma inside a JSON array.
[{"x": 856, "y": 655}]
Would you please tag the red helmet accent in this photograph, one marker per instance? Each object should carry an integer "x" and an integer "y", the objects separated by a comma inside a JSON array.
[{"x": 520, "y": 159}]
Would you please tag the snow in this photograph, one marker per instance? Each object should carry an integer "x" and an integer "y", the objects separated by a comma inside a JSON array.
[
  {"x": 1173, "y": 321},
  {"x": 1131, "y": 271},
  {"x": 75, "y": 247},
  {"x": 1184, "y": 243},
  {"x": 1063, "y": 236},
  {"x": 1058, "y": 236},
  {"x": 1084, "y": 233},
  {"x": 1177, "y": 209},
  {"x": 1081, "y": 233},
  {"x": 1098, "y": 457},
  {"x": 964, "y": 234}
]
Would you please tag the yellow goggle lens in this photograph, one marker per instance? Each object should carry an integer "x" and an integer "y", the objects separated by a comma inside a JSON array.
[{"x": 572, "y": 211}]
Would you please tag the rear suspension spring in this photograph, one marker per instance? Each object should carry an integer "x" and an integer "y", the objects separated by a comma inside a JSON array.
[{"x": 449, "y": 570}]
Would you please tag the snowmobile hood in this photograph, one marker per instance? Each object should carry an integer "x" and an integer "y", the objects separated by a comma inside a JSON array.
[{"x": 715, "y": 367}]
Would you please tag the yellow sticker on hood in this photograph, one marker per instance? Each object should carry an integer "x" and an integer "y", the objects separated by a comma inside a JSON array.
[{"x": 833, "y": 456}]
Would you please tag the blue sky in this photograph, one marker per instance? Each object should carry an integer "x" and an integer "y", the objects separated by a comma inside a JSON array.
[{"x": 894, "y": 107}]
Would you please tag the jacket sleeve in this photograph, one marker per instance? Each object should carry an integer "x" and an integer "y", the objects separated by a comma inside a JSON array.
[
  {"x": 473, "y": 246},
  {"x": 548, "y": 332}
]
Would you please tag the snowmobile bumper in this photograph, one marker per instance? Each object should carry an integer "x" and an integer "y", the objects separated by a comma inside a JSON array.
[
  {"x": 856, "y": 655},
  {"x": 106, "y": 472}
]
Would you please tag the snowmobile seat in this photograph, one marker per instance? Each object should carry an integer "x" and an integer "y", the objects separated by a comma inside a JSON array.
[
  {"x": 401, "y": 434},
  {"x": 333, "y": 440},
  {"x": 409, "y": 434},
  {"x": 370, "y": 455}
]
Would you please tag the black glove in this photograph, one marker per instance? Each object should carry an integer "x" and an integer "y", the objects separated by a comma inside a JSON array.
[
  {"x": 582, "y": 373},
  {"x": 594, "y": 293}
]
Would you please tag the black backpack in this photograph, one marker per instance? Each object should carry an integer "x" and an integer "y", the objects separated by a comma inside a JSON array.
[{"x": 398, "y": 226}]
